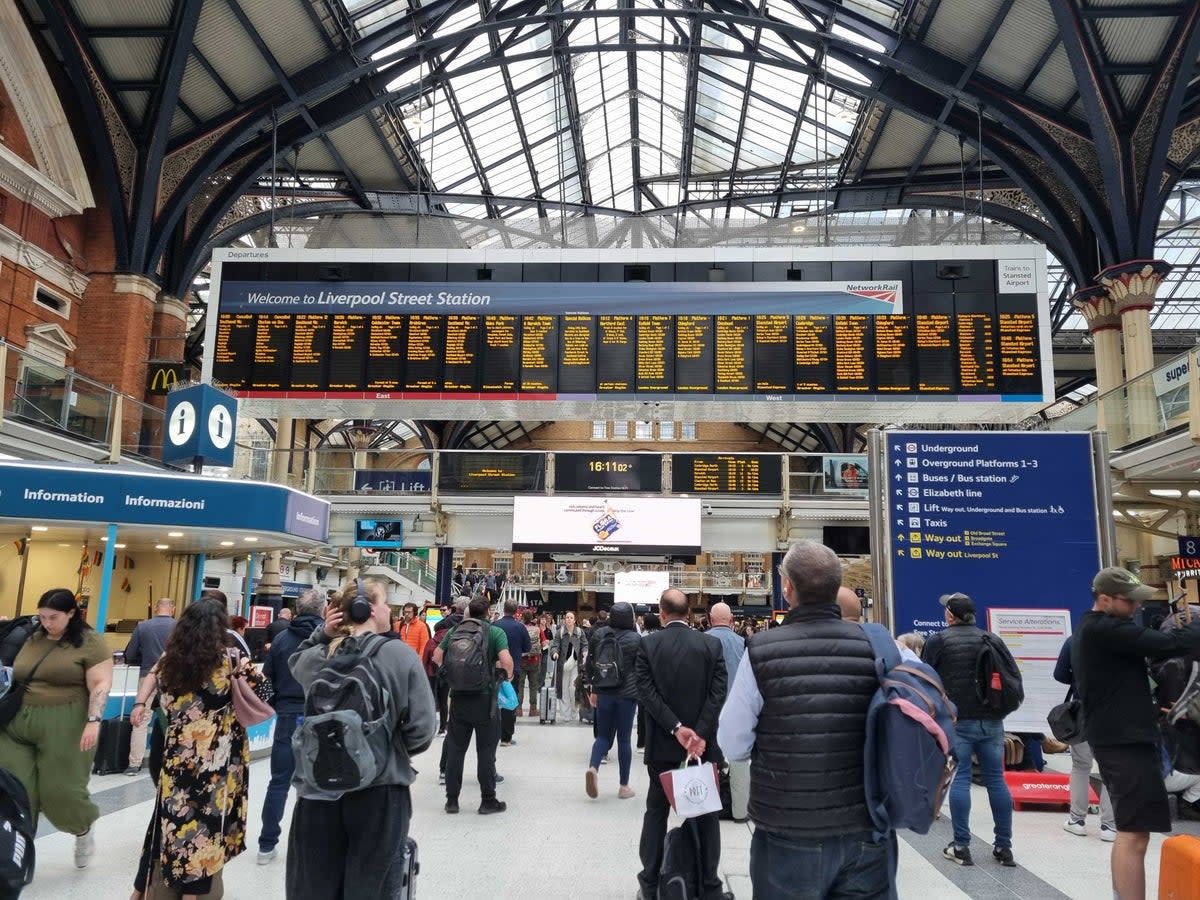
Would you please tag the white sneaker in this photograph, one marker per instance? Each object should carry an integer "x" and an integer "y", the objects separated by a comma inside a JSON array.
[
  {"x": 1075, "y": 826},
  {"x": 265, "y": 856},
  {"x": 1108, "y": 835},
  {"x": 85, "y": 849}
]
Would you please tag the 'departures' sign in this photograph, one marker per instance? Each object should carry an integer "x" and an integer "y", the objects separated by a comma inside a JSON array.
[{"x": 607, "y": 525}]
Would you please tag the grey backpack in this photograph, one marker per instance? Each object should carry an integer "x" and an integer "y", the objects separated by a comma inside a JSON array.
[{"x": 345, "y": 738}]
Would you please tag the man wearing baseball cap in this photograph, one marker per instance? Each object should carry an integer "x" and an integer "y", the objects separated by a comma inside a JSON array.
[
  {"x": 1108, "y": 656},
  {"x": 954, "y": 653}
]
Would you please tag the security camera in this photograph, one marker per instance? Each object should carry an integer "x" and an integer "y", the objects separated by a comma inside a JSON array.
[{"x": 708, "y": 510}]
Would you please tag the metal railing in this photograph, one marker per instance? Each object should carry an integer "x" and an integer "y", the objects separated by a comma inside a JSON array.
[
  {"x": 1151, "y": 406},
  {"x": 58, "y": 399},
  {"x": 412, "y": 567}
]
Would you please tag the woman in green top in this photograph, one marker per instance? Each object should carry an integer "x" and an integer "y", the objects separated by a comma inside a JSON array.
[{"x": 50, "y": 744}]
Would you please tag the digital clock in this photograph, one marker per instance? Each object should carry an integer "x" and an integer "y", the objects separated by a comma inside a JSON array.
[{"x": 607, "y": 472}]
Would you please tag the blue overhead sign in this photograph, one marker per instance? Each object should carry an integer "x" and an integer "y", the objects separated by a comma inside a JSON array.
[
  {"x": 1009, "y": 519},
  {"x": 98, "y": 494},
  {"x": 199, "y": 426}
]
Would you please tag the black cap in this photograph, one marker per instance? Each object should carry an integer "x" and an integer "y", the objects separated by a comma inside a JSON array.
[{"x": 959, "y": 604}]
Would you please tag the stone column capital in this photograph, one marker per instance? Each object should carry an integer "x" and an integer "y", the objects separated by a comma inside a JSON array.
[
  {"x": 1097, "y": 308},
  {"x": 129, "y": 283},
  {"x": 1133, "y": 285}
]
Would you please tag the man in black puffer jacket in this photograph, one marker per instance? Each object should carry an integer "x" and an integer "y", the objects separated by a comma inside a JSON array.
[
  {"x": 798, "y": 711},
  {"x": 289, "y": 707},
  {"x": 954, "y": 653},
  {"x": 613, "y": 694}
]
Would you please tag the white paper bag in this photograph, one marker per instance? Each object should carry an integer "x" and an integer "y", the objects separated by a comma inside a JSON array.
[{"x": 693, "y": 789}]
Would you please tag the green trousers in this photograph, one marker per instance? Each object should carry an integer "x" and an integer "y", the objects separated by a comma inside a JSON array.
[{"x": 41, "y": 747}]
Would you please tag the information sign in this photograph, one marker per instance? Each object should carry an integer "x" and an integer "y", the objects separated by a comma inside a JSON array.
[
  {"x": 1007, "y": 518},
  {"x": 1035, "y": 637}
]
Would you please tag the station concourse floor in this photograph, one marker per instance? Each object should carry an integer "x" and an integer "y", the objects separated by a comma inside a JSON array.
[{"x": 554, "y": 842}]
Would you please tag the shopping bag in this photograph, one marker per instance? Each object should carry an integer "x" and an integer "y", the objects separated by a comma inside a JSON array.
[
  {"x": 693, "y": 789},
  {"x": 507, "y": 698}
]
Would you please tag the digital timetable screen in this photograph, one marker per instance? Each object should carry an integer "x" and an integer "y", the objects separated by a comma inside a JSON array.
[
  {"x": 726, "y": 473},
  {"x": 914, "y": 335}
]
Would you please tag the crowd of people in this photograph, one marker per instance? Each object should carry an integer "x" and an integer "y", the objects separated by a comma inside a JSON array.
[{"x": 783, "y": 710}]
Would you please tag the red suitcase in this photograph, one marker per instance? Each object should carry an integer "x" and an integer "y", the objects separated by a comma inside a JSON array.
[{"x": 1179, "y": 868}]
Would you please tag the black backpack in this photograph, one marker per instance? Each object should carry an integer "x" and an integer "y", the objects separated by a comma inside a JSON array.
[
  {"x": 997, "y": 678},
  {"x": 680, "y": 876},
  {"x": 606, "y": 668},
  {"x": 13, "y": 635},
  {"x": 466, "y": 659},
  {"x": 16, "y": 836}
]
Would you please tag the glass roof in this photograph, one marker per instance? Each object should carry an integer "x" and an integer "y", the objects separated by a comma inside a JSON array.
[{"x": 588, "y": 108}]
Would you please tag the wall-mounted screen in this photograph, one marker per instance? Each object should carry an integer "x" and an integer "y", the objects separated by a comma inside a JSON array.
[
  {"x": 606, "y": 526},
  {"x": 376, "y": 533}
]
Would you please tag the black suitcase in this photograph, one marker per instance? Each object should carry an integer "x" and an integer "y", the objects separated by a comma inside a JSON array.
[
  {"x": 412, "y": 867},
  {"x": 112, "y": 747}
]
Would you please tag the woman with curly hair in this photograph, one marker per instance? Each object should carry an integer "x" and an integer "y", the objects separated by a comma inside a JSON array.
[{"x": 199, "y": 819}]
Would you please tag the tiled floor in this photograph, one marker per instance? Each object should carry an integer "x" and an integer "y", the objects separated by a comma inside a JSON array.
[{"x": 554, "y": 842}]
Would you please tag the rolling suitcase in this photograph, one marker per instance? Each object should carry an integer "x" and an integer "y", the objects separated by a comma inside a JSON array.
[
  {"x": 1179, "y": 868},
  {"x": 547, "y": 702},
  {"x": 412, "y": 868},
  {"x": 112, "y": 745}
]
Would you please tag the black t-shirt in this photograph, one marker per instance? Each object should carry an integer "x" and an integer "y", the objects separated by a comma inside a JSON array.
[{"x": 1108, "y": 656}]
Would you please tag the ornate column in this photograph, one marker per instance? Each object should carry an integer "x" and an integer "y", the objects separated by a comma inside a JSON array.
[
  {"x": 270, "y": 591},
  {"x": 1132, "y": 287},
  {"x": 1104, "y": 323}
]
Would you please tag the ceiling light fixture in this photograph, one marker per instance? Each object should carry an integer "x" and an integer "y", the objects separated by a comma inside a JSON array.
[
  {"x": 226, "y": 543},
  {"x": 799, "y": 228},
  {"x": 119, "y": 546},
  {"x": 174, "y": 534},
  {"x": 39, "y": 528},
  {"x": 249, "y": 540},
  {"x": 162, "y": 547}
]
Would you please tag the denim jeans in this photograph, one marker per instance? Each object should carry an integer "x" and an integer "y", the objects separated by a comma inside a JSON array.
[
  {"x": 984, "y": 738},
  {"x": 283, "y": 765},
  {"x": 837, "y": 868},
  {"x": 614, "y": 718}
]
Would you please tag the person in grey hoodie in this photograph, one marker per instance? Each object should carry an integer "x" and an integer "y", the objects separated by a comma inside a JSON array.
[{"x": 352, "y": 844}]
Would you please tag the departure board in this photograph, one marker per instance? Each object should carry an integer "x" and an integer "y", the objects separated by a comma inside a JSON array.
[
  {"x": 607, "y": 472},
  {"x": 726, "y": 473},
  {"x": 974, "y": 329},
  {"x": 494, "y": 472}
]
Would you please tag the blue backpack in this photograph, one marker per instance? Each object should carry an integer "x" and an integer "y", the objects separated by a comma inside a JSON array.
[{"x": 909, "y": 755}]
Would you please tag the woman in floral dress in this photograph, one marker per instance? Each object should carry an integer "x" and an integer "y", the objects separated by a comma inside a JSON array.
[{"x": 199, "y": 819}]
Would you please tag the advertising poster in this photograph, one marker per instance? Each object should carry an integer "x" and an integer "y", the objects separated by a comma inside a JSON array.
[
  {"x": 607, "y": 525},
  {"x": 261, "y": 616},
  {"x": 845, "y": 473},
  {"x": 640, "y": 587},
  {"x": 1035, "y": 637}
]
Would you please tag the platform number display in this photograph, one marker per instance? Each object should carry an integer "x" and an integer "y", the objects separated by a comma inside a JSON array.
[{"x": 1189, "y": 546}]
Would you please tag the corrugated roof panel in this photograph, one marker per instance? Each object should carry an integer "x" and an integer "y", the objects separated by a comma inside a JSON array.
[
  {"x": 956, "y": 34},
  {"x": 901, "y": 141},
  {"x": 129, "y": 59},
  {"x": 314, "y": 157},
  {"x": 135, "y": 102},
  {"x": 201, "y": 93},
  {"x": 295, "y": 46},
  {"x": 229, "y": 50},
  {"x": 180, "y": 123},
  {"x": 1132, "y": 87},
  {"x": 1135, "y": 39},
  {"x": 115, "y": 13},
  {"x": 1024, "y": 35},
  {"x": 1055, "y": 84},
  {"x": 944, "y": 152}
]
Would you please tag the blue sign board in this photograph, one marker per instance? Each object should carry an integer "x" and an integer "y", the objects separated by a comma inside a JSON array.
[
  {"x": 1189, "y": 546},
  {"x": 200, "y": 425},
  {"x": 395, "y": 481},
  {"x": 100, "y": 494},
  {"x": 1007, "y": 518}
]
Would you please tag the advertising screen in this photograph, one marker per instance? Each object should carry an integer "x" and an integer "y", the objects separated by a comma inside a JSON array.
[{"x": 607, "y": 525}]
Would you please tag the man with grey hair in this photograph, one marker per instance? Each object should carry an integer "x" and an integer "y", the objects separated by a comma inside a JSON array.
[
  {"x": 798, "y": 710},
  {"x": 143, "y": 650},
  {"x": 289, "y": 708}
]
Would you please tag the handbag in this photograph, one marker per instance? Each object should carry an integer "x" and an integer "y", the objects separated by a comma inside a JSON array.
[
  {"x": 10, "y": 703},
  {"x": 249, "y": 708},
  {"x": 694, "y": 790},
  {"x": 1066, "y": 719},
  {"x": 507, "y": 699}
]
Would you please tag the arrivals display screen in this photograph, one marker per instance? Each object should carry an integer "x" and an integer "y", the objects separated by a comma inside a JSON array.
[{"x": 726, "y": 473}]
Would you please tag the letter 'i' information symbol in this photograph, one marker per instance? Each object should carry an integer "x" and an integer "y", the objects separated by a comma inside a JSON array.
[
  {"x": 182, "y": 424},
  {"x": 220, "y": 427}
]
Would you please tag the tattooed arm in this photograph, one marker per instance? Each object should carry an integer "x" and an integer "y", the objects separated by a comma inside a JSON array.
[{"x": 99, "y": 682}]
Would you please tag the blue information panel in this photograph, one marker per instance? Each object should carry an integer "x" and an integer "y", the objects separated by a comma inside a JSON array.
[{"x": 1009, "y": 519}]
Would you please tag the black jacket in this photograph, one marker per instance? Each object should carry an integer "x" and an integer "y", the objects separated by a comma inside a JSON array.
[
  {"x": 954, "y": 652},
  {"x": 680, "y": 679},
  {"x": 620, "y": 623},
  {"x": 816, "y": 675},
  {"x": 289, "y": 696},
  {"x": 1108, "y": 655}
]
